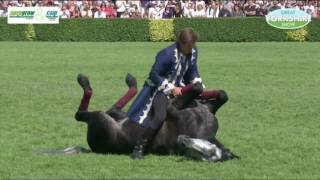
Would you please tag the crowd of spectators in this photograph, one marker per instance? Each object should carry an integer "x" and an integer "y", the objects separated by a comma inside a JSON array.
[{"x": 164, "y": 9}]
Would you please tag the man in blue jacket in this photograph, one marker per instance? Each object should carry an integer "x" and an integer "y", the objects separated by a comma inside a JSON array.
[{"x": 174, "y": 73}]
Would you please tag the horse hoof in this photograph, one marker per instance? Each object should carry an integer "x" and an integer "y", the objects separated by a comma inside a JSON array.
[
  {"x": 83, "y": 82},
  {"x": 131, "y": 81},
  {"x": 228, "y": 155},
  {"x": 234, "y": 156}
]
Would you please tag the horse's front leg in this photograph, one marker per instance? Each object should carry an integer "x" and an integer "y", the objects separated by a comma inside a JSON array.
[{"x": 116, "y": 110}]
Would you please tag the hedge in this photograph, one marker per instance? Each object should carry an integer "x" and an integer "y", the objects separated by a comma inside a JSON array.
[
  {"x": 215, "y": 30},
  {"x": 314, "y": 30},
  {"x": 297, "y": 34},
  {"x": 11, "y": 32},
  {"x": 232, "y": 29},
  {"x": 161, "y": 30},
  {"x": 94, "y": 30}
]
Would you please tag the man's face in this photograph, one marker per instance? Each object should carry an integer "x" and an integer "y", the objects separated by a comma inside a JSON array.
[{"x": 186, "y": 48}]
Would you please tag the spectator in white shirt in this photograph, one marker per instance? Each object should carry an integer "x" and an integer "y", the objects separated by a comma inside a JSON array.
[
  {"x": 310, "y": 9},
  {"x": 125, "y": 14},
  {"x": 135, "y": 12},
  {"x": 85, "y": 10},
  {"x": 212, "y": 10},
  {"x": 121, "y": 7},
  {"x": 200, "y": 2},
  {"x": 99, "y": 14},
  {"x": 200, "y": 11},
  {"x": 156, "y": 11},
  {"x": 64, "y": 13},
  {"x": 281, "y": 5},
  {"x": 189, "y": 10},
  {"x": 1, "y": 9}
]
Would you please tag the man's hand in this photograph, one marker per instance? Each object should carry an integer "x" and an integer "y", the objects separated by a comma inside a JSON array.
[{"x": 176, "y": 91}]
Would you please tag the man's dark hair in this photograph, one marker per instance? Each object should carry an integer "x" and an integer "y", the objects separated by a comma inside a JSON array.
[{"x": 187, "y": 35}]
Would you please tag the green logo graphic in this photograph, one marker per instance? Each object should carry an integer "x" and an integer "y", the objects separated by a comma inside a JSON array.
[
  {"x": 22, "y": 14},
  {"x": 288, "y": 18}
]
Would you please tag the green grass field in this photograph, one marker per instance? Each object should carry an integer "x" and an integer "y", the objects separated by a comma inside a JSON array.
[{"x": 271, "y": 121}]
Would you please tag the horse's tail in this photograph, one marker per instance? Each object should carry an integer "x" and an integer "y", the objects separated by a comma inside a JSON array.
[{"x": 68, "y": 150}]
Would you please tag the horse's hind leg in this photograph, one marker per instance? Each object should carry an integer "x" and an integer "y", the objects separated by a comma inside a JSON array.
[
  {"x": 87, "y": 92},
  {"x": 115, "y": 110},
  {"x": 82, "y": 114}
]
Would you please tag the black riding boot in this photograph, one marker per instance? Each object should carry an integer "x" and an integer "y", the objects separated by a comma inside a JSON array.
[
  {"x": 158, "y": 114},
  {"x": 142, "y": 143}
]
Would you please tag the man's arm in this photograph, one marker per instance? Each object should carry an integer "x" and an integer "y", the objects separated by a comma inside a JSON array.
[
  {"x": 192, "y": 75},
  {"x": 159, "y": 69}
]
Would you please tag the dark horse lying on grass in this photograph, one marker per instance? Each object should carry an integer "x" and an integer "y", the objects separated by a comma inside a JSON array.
[{"x": 190, "y": 131}]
